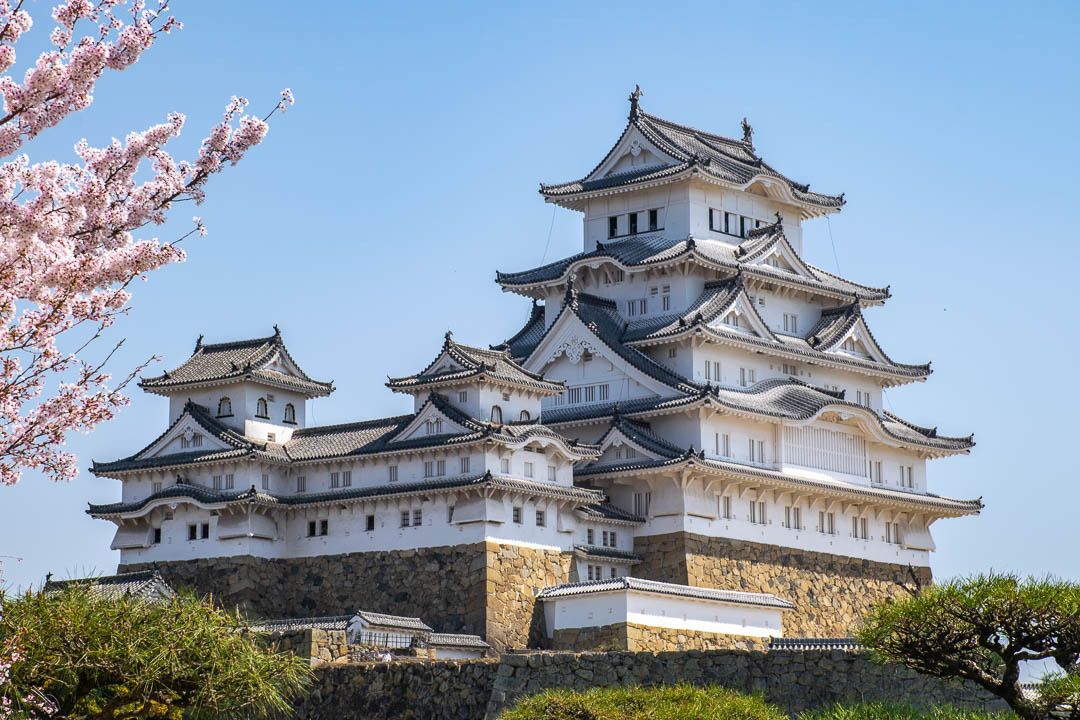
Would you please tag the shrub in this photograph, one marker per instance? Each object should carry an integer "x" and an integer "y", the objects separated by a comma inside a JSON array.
[
  {"x": 672, "y": 702},
  {"x": 896, "y": 711}
]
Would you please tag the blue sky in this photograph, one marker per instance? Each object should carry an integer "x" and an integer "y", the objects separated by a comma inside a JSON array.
[{"x": 375, "y": 214}]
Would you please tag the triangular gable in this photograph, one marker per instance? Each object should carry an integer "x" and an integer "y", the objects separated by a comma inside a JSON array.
[
  {"x": 615, "y": 444},
  {"x": 570, "y": 338},
  {"x": 186, "y": 427},
  {"x": 749, "y": 322},
  {"x": 441, "y": 424},
  {"x": 779, "y": 254},
  {"x": 864, "y": 344},
  {"x": 282, "y": 363},
  {"x": 632, "y": 152}
]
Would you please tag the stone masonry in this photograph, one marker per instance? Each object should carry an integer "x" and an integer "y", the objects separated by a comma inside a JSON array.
[
  {"x": 515, "y": 575},
  {"x": 632, "y": 637},
  {"x": 830, "y": 592}
]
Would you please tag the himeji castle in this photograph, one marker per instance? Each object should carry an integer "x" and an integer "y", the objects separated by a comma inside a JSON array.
[{"x": 683, "y": 446}]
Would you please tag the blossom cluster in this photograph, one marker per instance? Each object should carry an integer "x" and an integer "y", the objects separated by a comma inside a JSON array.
[{"x": 69, "y": 245}]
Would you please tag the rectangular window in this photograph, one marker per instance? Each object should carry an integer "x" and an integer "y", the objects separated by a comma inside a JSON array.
[
  {"x": 665, "y": 302},
  {"x": 335, "y": 479},
  {"x": 301, "y": 484},
  {"x": 827, "y": 523},
  {"x": 729, "y": 221},
  {"x": 590, "y": 570},
  {"x": 157, "y": 536},
  {"x": 604, "y": 538},
  {"x": 449, "y": 513},
  {"x": 192, "y": 532},
  {"x": 672, "y": 352},
  {"x": 632, "y": 217},
  {"x": 590, "y": 393},
  {"x": 217, "y": 482},
  {"x": 465, "y": 463},
  {"x": 614, "y": 573},
  {"x": 613, "y": 226},
  {"x": 265, "y": 482},
  {"x": 417, "y": 517},
  {"x": 504, "y": 465},
  {"x": 590, "y": 536},
  {"x": 604, "y": 392},
  {"x": 757, "y": 513},
  {"x": 440, "y": 468},
  {"x": 654, "y": 219},
  {"x": 463, "y": 396},
  {"x": 229, "y": 481},
  {"x": 528, "y": 469},
  {"x": 324, "y": 527},
  {"x": 391, "y": 471},
  {"x": 642, "y": 500},
  {"x": 311, "y": 528},
  {"x": 551, "y": 473},
  {"x": 617, "y": 276},
  {"x": 791, "y": 323},
  {"x": 204, "y": 531},
  {"x": 346, "y": 478},
  {"x": 369, "y": 523},
  {"x": 714, "y": 220},
  {"x": 751, "y": 455},
  {"x": 875, "y": 472},
  {"x": 908, "y": 476},
  {"x": 761, "y": 451},
  {"x": 404, "y": 518},
  {"x": 155, "y": 486},
  {"x": 747, "y": 376},
  {"x": 612, "y": 538},
  {"x": 539, "y": 518},
  {"x": 517, "y": 515},
  {"x": 725, "y": 507},
  {"x": 573, "y": 395},
  {"x": 429, "y": 469}
]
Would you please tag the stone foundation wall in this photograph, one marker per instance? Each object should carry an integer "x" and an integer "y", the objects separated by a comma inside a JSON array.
[
  {"x": 322, "y": 647},
  {"x": 444, "y": 585},
  {"x": 635, "y": 638},
  {"x": 831, "y": 593},
  {"x": 515, "y": 575}
]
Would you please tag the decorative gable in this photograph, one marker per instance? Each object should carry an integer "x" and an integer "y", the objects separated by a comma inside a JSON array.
[
  {"x": 187, "y": 435},
  {"x": 633, "y": 152},
  {"x": 430, "y": 421},
  {"x": 741, "y": 317},
  {"x": 860, "y": 343}
]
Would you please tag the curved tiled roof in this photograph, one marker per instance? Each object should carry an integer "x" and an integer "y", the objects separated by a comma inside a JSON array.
[
  {"x": 785, "y": 398},
  {"x": 734, "y": 162},
  {"x": 653, "y": 586},
  {"x": 209, "y": 496},
  {"x": 476, "y": 363},
  {"x": 325, "y": 622},
  {"x": 605, "y": 511},
  {"x": 525, "y": 340},
  {"x": 394, "y": 622},
  {"x": 233, "y": 361},
  {"x": 239, "y": 446},
  {"x": 142, "y": 585},
  {"x": 690, "y": 458},
  {"x": 654, "y": 249},
  {"x": 455, "y": 640},
  {"x": 607, "y": 553},
  {"x": 641, "y": 434}
]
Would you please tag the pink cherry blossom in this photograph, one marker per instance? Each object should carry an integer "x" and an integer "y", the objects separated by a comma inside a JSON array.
[{"x": 70, "y": 233}]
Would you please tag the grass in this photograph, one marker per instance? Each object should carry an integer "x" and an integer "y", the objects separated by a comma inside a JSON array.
[
  {"x": 671, "y": 702},
  {"x": 685, "y": 702},
  {"x": 896, "y": 711}
]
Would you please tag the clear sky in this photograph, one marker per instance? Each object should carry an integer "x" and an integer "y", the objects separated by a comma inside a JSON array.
[{"x": 374, "y": 216}]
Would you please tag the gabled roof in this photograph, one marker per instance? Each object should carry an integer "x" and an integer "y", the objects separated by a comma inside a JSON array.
[
  {"x": 142, "y": 585},
  {"x": 835, "y": 324},
  {"x": 784, "y": 398},
  {"x": 662, "y": 588},
  {"x": 654, "y": 250},
  {"x": 484, "y": 482},
  {"x": 393, "y": 622},
  {"x": 466, "y": 363},
  {"x": 640, "y": 434},
  {"x": 525, "y": 340},
  {"x": 240, "y": 360},
  {"x": 237, "y": 446},
  {"x": 456, "y": 640},
  {"x": 602, "y": 318},
  {"x": 692, "y": 153}
]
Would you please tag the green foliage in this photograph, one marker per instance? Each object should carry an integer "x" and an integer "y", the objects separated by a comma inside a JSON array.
[
  {"x": 982, "y": 628},
  {"x": 126, "y": 658},
  {"x": 678, "y": 702},
  {"x": 897, "y": 711}
]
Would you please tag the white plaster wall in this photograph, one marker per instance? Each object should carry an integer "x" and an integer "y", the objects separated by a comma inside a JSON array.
[
  {"x": 663, "y": 611},
  {"x": 244, "y": 397}
]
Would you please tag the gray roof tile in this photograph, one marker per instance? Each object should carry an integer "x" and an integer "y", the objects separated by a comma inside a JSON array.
[{"x": 652, "y": 586}]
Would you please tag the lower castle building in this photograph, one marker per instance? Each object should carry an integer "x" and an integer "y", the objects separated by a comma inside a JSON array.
[{"x": 684, "y": 444}]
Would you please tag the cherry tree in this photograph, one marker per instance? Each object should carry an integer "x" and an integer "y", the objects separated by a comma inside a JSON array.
[{"x": 69, "y": 245}]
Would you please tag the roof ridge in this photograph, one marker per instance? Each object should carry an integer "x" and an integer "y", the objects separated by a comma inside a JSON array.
[{"x": 319, "y": 429}]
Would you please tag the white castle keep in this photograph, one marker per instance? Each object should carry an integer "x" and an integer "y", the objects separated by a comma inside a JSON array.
[{"x": 690, "y": 404}]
